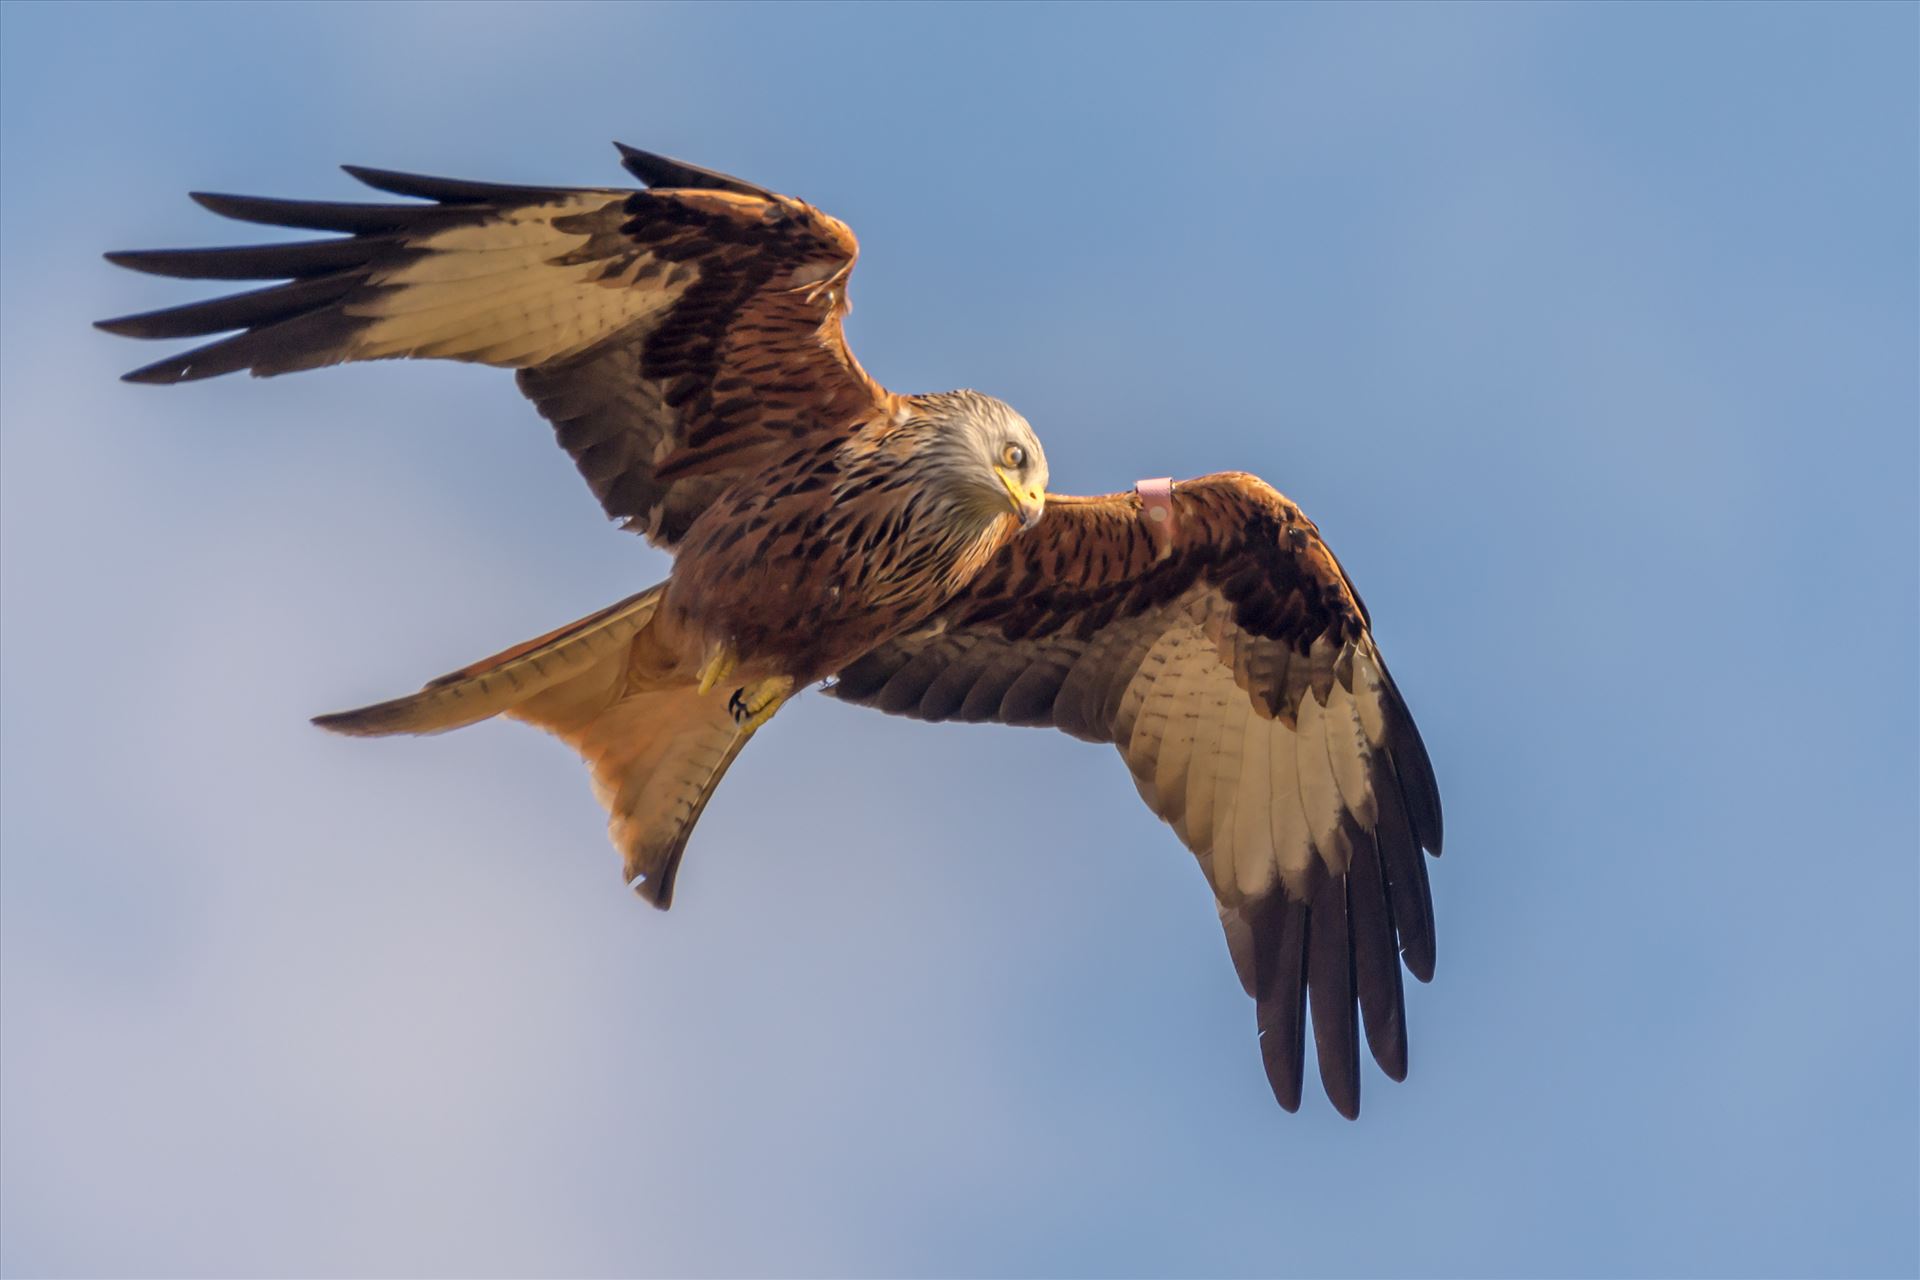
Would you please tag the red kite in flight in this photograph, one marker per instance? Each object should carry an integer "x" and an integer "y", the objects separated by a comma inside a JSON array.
[{"x": 685, "y": 342}]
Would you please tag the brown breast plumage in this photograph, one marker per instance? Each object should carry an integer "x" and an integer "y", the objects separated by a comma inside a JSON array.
[{"x": 834, "y": 550}]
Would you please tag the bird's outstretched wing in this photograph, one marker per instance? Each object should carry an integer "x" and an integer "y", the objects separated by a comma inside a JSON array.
[
  {"x": 675, "y": 337},
  {"x": 1230, "y": 661}
]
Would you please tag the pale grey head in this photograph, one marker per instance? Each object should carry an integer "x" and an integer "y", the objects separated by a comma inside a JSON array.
[{"x": 987, "y": 453}]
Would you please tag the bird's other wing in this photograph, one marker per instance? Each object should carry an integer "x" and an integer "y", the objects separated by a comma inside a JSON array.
[
  {"x": 675, "y": 337},
  {"x": 1230, "y": 661}
]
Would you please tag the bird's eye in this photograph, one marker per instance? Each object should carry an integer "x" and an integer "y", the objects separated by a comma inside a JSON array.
[{"x": 1014, "y": 456}]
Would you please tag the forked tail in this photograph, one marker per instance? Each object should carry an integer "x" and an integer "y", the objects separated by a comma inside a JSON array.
[{"x": 656, "y": 750}]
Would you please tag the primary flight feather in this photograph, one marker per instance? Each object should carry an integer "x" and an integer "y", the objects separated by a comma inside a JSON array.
[{"x": 685, "y": 342}]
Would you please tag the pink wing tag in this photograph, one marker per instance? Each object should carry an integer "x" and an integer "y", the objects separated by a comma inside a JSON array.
[{"x": 1156, "y": 505}]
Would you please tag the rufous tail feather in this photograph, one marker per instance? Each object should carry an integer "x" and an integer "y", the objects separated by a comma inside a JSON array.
[
  {"x": 495, "y": 685},
  {"x": 656, "y": 746}
]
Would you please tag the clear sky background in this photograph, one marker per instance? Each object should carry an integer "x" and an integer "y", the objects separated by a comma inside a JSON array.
[{"x": 1588, "y": 336}]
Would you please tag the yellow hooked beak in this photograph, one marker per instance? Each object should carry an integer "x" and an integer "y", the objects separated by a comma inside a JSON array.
[{"x": 1028, "y": 504}]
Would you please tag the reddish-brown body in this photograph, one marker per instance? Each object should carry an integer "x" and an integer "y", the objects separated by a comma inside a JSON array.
[{"x": 822, "y": 559}]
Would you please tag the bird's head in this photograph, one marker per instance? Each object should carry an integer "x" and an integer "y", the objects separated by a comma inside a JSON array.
[{"x": 986, "y": 456}]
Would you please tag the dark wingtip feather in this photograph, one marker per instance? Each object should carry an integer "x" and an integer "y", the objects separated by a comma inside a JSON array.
[
  {"x": 295, "y": 261},
  {"x": 250, "y": 310},
  {"x": 454, "y": 191},
  {"x": 1330, "y": 993},
  {"x": 153, "y": 262},
  {"x": 208, "y": 361},
  {"x": 1415, "y": 767},
  {"x": 1376, "y": 957},
  {"x": 1286, "y": 1088},
  {"x": 445, "y": 190},
  {"x": 1280, "y": 941},
  {"x": 164, "y": 373},
  {"x": 662, "y": 171},
  {"x": 215, "y": 202},
  {"x": 1417, "y": 771},
  {"x": 317, "y": 215},
  {"x": 1404, "y": 868},
  {"x": 141, "y": 325}
]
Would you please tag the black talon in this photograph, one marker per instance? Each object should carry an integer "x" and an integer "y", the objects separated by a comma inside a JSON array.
[{"x": 736, "y": 707}]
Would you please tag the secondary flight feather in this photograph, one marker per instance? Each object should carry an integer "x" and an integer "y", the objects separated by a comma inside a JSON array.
[{"x": 685, "y": 342}]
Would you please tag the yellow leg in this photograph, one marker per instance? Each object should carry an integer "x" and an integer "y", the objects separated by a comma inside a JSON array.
[
  {"x": 718, "y": 667},
  {"x": 754, "y": 705}
]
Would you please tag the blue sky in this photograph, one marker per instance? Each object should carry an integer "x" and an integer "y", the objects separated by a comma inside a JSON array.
[{"x": 1587, "y": 335}]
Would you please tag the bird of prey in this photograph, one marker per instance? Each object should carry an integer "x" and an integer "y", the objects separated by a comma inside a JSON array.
[{"x": 685, "y": 342}]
